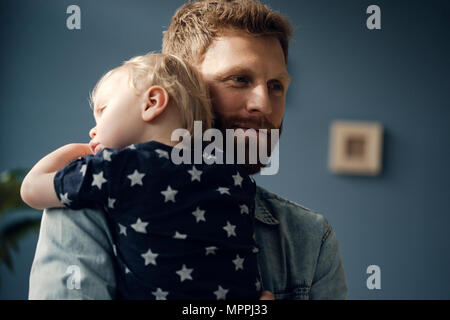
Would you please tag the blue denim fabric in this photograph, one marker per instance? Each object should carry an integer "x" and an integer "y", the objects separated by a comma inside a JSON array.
[{"x": 299, "y": 254}]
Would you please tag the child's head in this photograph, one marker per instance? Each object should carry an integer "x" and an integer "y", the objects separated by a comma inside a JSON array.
[{"x": 146, "y": 99}]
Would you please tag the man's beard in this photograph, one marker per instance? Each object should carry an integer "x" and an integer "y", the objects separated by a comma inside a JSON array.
[{"x": 234, "y": 122}]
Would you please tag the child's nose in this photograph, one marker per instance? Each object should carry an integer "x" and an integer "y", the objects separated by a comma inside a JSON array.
[{"x": 92, "y": 133}]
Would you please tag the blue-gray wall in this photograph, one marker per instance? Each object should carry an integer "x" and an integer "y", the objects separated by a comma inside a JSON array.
[{"x": 398, "y": 75}]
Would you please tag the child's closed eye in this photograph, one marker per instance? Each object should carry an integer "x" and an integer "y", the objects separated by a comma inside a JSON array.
[{"x": 99, "y": 110}]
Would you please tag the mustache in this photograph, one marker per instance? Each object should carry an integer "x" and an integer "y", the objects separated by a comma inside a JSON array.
[{"x": 233, "y": 122}]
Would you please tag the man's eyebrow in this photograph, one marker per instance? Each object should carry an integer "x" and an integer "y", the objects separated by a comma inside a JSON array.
[
  {"x": 232, "y": 71},
  {"x": 284, "y": 76}
]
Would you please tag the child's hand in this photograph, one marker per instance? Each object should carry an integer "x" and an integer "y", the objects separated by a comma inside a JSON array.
[
  {"x": 76, "y": 150},
  {"x": 37, "y": 188}
]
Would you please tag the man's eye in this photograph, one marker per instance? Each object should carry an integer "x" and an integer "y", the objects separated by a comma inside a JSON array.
[
  {"x": 276, "y": 86},
  {"x": 239, "y": 81}
]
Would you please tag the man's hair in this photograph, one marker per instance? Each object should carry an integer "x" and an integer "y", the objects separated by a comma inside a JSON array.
[
  {"x": 182, "y": 82},
  {"x": 196, "y": 24}
]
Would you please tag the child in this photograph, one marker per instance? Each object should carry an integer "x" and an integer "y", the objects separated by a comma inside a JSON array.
[{"x": 180, "y": 231}]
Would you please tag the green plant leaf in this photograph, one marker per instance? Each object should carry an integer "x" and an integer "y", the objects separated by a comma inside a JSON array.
[
  {"x": 10, "y": 199},
  {"x": 10, "y": 182},
  {"x": 10, "y": 235}
]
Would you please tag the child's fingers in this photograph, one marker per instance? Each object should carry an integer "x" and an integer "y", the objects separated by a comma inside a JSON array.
[
  {"x": 87, "y": 148},
  {"x": 78, "y": 149},
  {"x": 84, "y": 149}
]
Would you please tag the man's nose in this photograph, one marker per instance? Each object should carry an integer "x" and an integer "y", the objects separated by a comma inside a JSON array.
[
  {"x": 259, "y": 100},
  {"x": 93, "y": 133}
]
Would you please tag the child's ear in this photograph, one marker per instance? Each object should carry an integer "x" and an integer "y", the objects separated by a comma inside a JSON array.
[{"x": 157, "y": 99}]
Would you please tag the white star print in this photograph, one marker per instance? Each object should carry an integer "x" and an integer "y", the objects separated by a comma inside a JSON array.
[
  {"x": 140, "y": 226},
  {"x": 65, "y": 198},
  {"x": 221, "y": 293},
  {"x": 132, "y": 147},
  {"x": 83, "y": 169},
  {"x": 199, "y": 215},
  {"x": 111, "y": 203},
  {"x": 179, "y": 235},
  {"x": 238, "y": 262},
  {"x": 244, "y": 209},
  {"x": 150, "y": 257},
  {"x": 237, "y": 179},
  {"x": 255, "y": 250},
  {"x": 162, "y": 153},
  {"x": 123, "y": 229},
  {"x": 195, "y": 174},
  {"x": 169, "y": 194},
  {"x": 210, "y": 250},
  {"x": 208, "y": 156},
  {"x": 159, "y": 294},
  {"x": 127, "y": 270},
  {"x": 98, "y": 180},
  {"x": 185, "y": 273},
  {"x": 136, "y": 178},
  {"x": 229, "y": 228},
  {"x": 107, "y": 155},
  {"x": 223, "y": 190}
]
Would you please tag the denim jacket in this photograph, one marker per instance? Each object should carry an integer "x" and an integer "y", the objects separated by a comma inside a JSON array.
[{"x": 299, "y": 255}]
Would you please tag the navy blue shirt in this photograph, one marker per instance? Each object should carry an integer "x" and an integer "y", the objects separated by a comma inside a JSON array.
[{"x": 180, "y": 231}]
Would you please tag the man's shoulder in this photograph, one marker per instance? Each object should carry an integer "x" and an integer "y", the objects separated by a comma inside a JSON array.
[
  {"x": 291, "y": 215},
  {"x": 301, "y": 242}
]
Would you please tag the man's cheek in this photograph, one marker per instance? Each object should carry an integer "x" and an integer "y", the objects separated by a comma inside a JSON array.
[{"x": 225, "y": 101}]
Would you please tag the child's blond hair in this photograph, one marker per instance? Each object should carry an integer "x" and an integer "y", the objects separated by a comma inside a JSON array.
[{"x": 182, "y": 82}]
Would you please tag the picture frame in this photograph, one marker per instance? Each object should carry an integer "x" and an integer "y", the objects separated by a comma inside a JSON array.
[{"x": 356, "y": 147}]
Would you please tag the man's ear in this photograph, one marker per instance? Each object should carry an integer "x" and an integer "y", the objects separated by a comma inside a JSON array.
[{"x": 156, "y": 101}]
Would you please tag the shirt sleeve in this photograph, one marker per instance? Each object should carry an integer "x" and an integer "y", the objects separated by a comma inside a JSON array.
[
  {"x": 329, "y": 281},
  {"x": 74, "y": 257},
  {"x": 87, "y": 182}
]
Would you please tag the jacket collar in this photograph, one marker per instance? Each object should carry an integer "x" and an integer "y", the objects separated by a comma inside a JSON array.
[{"x": 262, "y": 212}]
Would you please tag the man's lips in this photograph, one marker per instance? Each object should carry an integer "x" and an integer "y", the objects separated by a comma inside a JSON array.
[{"x": 245, "y": 128}]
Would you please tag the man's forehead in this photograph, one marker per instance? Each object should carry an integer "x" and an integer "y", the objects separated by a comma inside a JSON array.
[
  {"x": 234, "y": 51},
  {"x": 241, "y": 68}
]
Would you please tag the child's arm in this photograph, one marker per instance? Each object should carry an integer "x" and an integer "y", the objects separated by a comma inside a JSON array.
[{"x": 37, "y": 188}]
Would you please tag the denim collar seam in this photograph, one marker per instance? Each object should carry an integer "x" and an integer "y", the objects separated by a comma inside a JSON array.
[
  {"x": 326, "y": 234},
  {"x": 264, "y": 215}
]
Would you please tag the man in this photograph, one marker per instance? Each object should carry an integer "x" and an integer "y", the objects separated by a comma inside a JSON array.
[{"x": 241, "y": 49}]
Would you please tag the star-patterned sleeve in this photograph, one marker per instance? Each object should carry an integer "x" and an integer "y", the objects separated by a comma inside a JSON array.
[{"x": 87, "y": 182}]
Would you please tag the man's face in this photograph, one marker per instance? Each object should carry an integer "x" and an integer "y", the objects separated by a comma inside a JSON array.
[{"x": 248, "y": 81}]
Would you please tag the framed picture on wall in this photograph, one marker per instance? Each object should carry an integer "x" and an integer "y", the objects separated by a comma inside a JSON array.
[{"x": 355, "y": 147}]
